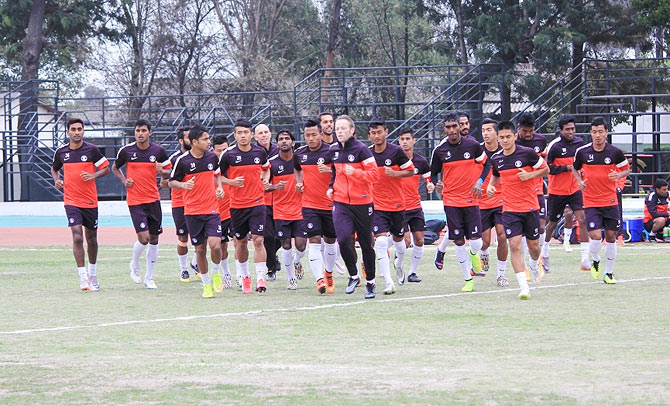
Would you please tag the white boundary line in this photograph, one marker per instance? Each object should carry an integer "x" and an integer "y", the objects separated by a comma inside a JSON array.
[{"x": 308, "y": 308}]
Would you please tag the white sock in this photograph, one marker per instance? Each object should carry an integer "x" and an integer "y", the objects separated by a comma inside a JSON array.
[
  {"x": 224, "y": 266},
  {"x": 206, "y": 278},
  {"x": 443, "y": 245},
  {"x": 400, "y": 251},
  {"x": 484, "y": 252},
  {"x": 299, "y": 255},
  {"x": 524, "y": 250},
  {"x": 532, "y": 263},
  {"x": 138, "y": 249},
  {"x": 584, "y": 249},
  {"x": 260, "y": 270},
  {"x": 610, "y": 256},
  {"x": 91, "y": 269},
  {"x": 287, "y": 261},
  {"x": 383, "y": 258},
  {"x": 476, "y": 246},
  {"x": 316, "y": 261},
  {"x": 415, "y": 260},
  {"x": 463, "y": 261},
  {"x": 152, "y": 257},
  {"x": 194, "y": 260},
  {"x": 521, "y": 278},
  {"x": 545, "y": 250},
  {"x": 502, "y": 267},
  {"x": 243, "y": 268},
  {"x": 567, "y": 233},
  {"x": 330, "y": 256},
  {"x": 216, "y": 268},
  {"x": 542, "y": 237},
  {"x": 183, "y": 262},
  {"x": 82, "y": 271},
  {"x": 594, "y": 246}
]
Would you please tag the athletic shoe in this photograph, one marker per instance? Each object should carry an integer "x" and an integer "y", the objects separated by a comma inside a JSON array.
[
  {"x": 93, "y": 283},
  {"x": 195, "y": 269},
  {"x": 537, "y": 274},
  {"x": 83, "y": 283},
  {"x": 545, "y": 265},
  {"x": 399, "y": 272},
  {"x": 439, "y": 259},
  {"x": 596, "y": 273},
  {"x": 321, "y": 286},
  {"x": 413, "y": 277},
  {"x": 238, "y": 280},
  {"x": 390, "y": 288},
  {"x": 351, "y": 285},
  {"x": 476, "y": 262},
  {"x": 134, "y": 273},
  {"x": 585, "y": 266},
  {"x": 609, "y": 279},
  {"x": 299, "y": 271},
  {"x": 272, "y": 276},
  {"x": 370, "y": 290},
  {"x": 150, "y": 284},
  {"x": 473, "y": 273},
  {"x": 217, "y": 282},
  {"x": 227, "y": 280},
  {"x": 330, "y": 284},
  {"x": 524, "y": 294},
  {"x": 260, "y": 286},
  {"x": 246, "y": 285},
  {"x": 502, "y": 282},
  {"x": 652, "y": 238},
  {"x": 566, "y": 245},
  {"x": 469, "y": 286},
  {"x": 527, "y": 274},
  {"x": 666, "y": 239},
  {"x": 484, "y": 258},
  {"x": 292, "y": 284},
  {"x": 185, "y": 277},
  {"x": 207, "y": 291}
]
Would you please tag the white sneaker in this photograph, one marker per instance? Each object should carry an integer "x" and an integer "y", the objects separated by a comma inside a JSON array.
[
  {"x": 292, "y": 284},
  {"x": 83, "y": 283},
  {"x": 524, "y": 293},
  {"x": 150, "y": 284},
  {"x": 134, "y": 273},
  {"x": 567, "y": 246},
  {"x": 238, "y": 280},
  {"x": 536, "y": 274},
  {"x": 545, "y": 265},
  {"x": 227, "y": 280},
  {"x": 399, "y": 272},
  {"x": 502, "y": 282},
  {"x": 390, "y": 288},
  {"x": 93, "y": 283}
]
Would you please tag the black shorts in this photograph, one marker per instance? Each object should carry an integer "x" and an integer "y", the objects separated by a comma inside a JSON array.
[
  {"x": 385, "y": 221},
  {"x": 246, "y": 220},
  {"x": 542, "y": 201},
  {"x": 202, "y": 226},
  {"x": 491, "y": 217},
  {"x": 650, "y": 224},
  {"x": 179, "y": 220},
  {"x": 598, "y": 218},
  {"x": 524, "y": 224},
  {"x": 79, "y": 216},
  {"x": 463, "y": 222},
  {"x": 147, "y": 217},
  {"x": 557, "y": 204},
  {"x": 415, "y": 221},
  {"x": 288, "y": 228},
  {"x": 317, "y": 223},
  {"x": 226, "y": 233}
]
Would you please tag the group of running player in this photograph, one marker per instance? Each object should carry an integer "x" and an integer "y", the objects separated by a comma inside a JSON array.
[{"x": 333, "y": 192}]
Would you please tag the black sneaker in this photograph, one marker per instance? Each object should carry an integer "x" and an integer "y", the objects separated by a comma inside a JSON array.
[
  {"x": 439, "y": 259},
  {"x": 370, "y": 289},
  {"x": 413, "y": 278},
  {"x": 652, "y": 238},
  {"x": 351, "y": 286},
  {"x": 271, "y": 276}
]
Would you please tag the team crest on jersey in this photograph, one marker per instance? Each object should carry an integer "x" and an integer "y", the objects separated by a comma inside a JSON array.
[
  {"x": 152, "y": 158},
  {"x": 210, "y": 166},
  {"x": 257, "y": 160},
  {"x": 192, "y": 166},
  {"x": 416, "y": 171},
  {"x": 238, "y": 159},
  {"x": 466, "y": 155},
  {"x": 387, "y": 162},
  {"x": 319, "y": 161},
  {"x": 350, "y": 158},
  {"x": 608, "y": 160},
  {"x": 537, "y": 149},
  {"x": 518, "y": 164},
  {"x": 67, "y": 156},
  {"x": 84, "y": 158}
]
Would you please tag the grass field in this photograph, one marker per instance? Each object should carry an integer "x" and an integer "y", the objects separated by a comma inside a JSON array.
[{"x": 576, "y": 342}]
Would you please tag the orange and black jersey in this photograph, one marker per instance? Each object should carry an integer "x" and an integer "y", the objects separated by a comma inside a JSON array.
[
  {"x": 538, "y": 144},
  {"x": 461, "y": 166},
  {"x": 176, "y": 195},
  {"x": 250, "y": 165},
  {"x": 655, "y": 206},
  {"x": 355, "y": 189},
  {"x": 385, "y": 196},
  {"x": 287, "y": 202},
  {"x": 76, "y": 191},
  {"x": 224, "y": 204},
  {"x": 315, "y": 183},
  {"x": 272, "y": 151},
  {"x": 596, "y": 165},
  {"x": 486, "y": 202},
  {"x": 410, "y": 185},
  {"x": 518, "y": 196},
  {"x": 202, "y": 198},
  {"x": 141, "y": 168},
  {"x": 561, "y": 153}
]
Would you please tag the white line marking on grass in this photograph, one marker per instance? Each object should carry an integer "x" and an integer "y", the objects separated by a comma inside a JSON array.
[{"x": 316, "y": 307}]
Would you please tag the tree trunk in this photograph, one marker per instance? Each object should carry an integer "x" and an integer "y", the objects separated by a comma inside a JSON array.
[
  {"x": 333, "y": 33},
  {"x": 659, "y": 34},
  {"x": 457, "y": 6}
]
